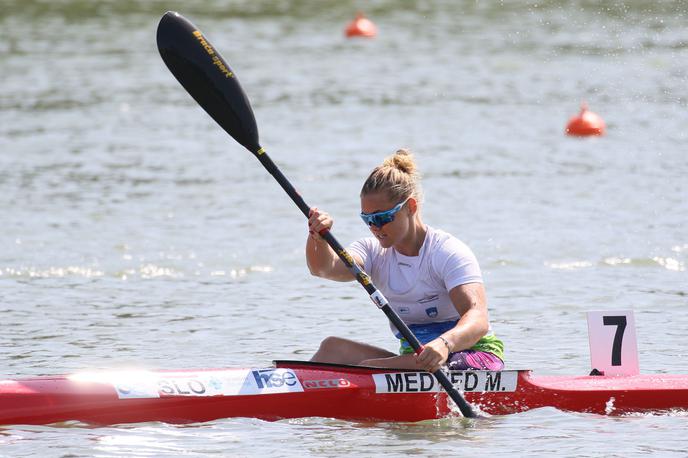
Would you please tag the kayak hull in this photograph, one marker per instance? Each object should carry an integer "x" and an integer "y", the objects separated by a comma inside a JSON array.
[{"x": 293, "y": 389}]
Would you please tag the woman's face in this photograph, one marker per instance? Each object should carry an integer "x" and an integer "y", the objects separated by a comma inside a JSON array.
[{"x": 393, "y": 232}]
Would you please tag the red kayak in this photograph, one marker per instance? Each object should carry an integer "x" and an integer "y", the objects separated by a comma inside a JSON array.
[{"x": 293, "y": 389}]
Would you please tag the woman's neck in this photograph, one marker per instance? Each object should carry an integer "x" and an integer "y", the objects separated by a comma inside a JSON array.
[{"x": 413, "y": 241}]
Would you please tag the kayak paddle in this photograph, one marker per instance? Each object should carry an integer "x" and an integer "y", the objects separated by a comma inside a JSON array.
[{"x": 211, "y": 82}]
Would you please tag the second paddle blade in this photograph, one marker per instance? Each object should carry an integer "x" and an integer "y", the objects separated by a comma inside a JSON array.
[{"x": 207, "y": 77}]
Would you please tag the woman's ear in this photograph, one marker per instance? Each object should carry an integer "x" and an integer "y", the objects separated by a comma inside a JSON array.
[{"x": 412, "y": 205}]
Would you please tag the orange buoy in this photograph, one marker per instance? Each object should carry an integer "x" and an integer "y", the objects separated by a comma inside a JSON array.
[
  {"x": 586, "y": 123},
  {"x": 361, "y": 27}
]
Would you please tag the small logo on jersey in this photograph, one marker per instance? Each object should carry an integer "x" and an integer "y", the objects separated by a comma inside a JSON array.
[
  {"x": 432, "y": 312},
  {"x": 404, "y": 264},
  {"x": 404, "y": 310},
  {"x": 427, "y": 299}
]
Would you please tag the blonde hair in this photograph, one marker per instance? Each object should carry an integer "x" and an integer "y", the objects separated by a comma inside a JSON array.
[{"x": 397, "y": 178}]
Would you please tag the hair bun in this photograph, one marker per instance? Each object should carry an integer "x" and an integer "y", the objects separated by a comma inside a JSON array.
[
  {"x": 397, "y": 178},
  {"x": 401, "y": 160}
]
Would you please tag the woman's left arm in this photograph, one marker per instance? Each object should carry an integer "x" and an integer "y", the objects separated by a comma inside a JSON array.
[{"x": 470, "y": 301}]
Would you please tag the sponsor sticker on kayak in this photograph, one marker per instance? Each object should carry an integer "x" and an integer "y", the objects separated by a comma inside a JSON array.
[
  {"x": 326, "y": 383},
  {"x": 230, "y": 382},
  {"x": 424, "y": 382}
]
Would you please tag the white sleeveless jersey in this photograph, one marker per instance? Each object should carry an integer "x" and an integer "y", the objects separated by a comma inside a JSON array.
[{"x": 417, "y": 287}]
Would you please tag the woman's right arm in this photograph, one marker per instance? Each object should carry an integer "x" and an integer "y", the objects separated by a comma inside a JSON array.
[{"x": 321, "y": 259}]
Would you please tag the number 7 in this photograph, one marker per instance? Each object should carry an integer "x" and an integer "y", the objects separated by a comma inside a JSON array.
[{"x": 620, "y": 323}]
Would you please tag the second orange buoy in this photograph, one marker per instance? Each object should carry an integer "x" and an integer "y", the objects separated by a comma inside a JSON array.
[
  {"x": 586, "y": 123},
  {"x": 361, "y": 27}
]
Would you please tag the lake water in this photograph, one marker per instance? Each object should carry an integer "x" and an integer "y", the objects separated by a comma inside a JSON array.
[{"x": 135, "y": 232}]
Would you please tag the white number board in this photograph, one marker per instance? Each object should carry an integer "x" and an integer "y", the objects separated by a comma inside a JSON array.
[{"x": 613, "y": 343}]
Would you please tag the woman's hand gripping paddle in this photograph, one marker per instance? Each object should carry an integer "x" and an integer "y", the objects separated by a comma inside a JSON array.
[{"x": 212, "y": 83}]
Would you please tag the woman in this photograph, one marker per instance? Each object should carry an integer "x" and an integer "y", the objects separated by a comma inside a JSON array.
[{"x": 430, "y": 278}]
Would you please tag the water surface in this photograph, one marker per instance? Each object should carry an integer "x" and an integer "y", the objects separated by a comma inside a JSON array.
[{"x": 135, "y": 232}]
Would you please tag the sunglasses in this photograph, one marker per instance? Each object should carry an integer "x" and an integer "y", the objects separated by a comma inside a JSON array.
[{"x": 379, "y": 219}]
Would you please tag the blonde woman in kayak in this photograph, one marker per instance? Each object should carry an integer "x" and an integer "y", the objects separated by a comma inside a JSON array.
[{"x": 431, "y": 279}]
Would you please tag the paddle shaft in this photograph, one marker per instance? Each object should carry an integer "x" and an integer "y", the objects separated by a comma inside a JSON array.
[
  {"x": 365, "y": 281},
  {"x": 206, "y": 76}
]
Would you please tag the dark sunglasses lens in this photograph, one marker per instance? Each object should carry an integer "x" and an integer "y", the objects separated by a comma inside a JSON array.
[{"x": 381, "y": 220}]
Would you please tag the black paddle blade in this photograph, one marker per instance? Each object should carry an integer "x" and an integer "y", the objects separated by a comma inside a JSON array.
[{"x": 207, "y": 77}]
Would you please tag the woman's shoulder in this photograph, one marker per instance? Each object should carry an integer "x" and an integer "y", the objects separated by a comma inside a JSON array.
[
  {"x": 453, "y": 260},
  {"x": 447, "y": 250},
  {"x": 440, "y": 240}
]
